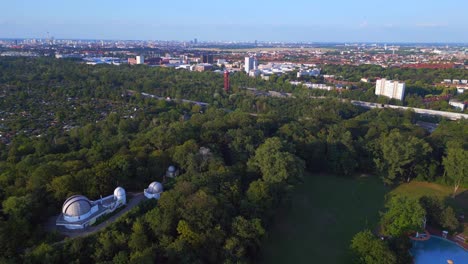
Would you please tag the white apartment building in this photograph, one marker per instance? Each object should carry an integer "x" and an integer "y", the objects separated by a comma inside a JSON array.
[
  {"x": 140, "y": 59},
  {"x": 250, "y": 64},
  {"x": 391, "y": 89}
]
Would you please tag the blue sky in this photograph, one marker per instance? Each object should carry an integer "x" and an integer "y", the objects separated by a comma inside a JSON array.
[{"x": 239, "y": 20}]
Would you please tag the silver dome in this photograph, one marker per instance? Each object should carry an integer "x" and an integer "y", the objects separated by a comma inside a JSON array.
[
  {"x": 155, "y": 187},
  {"x": 76, "y": 205},
  {"x": 171, "y": 169},
  {"x": 119, "y": 192}
]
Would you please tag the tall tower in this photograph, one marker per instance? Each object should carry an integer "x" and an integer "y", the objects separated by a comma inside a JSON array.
[{"x": 226, "y": 81}]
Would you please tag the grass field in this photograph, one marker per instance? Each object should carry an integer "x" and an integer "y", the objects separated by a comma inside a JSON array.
[
  {"x": 325, "y": 214},
  {"x": 327, "y": 211},
  {"x": 417, "y": 189}
]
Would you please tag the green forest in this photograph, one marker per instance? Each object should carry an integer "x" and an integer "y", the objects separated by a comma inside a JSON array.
[{"x": 69, "y": 128}]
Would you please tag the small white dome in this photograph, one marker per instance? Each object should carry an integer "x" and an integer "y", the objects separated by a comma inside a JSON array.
[
  {"x": 155, "y": 187},
  {"x": 119, "y": 192},
  {"x": 171, "y": 169}
]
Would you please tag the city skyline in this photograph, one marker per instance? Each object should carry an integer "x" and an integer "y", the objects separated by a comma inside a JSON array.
[{"x": 298, "y": 21}]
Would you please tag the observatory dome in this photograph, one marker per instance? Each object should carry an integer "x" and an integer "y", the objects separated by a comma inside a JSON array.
[
  {"x": 119, "y": 192},
  {"x": 155, "y": 187},
  {"x": 76, "y": 205},
  {"x": 171, "y": 169}
]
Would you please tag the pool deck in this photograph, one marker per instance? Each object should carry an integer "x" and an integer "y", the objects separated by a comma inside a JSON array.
[
  {"x": 423, "y": 237},
  {"x": 456, "y": 238}
]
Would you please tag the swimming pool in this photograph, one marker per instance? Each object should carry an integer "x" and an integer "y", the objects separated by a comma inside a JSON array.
[{"x": 437, "y": 250}]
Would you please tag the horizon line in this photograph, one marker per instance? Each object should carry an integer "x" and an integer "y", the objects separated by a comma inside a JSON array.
[{"x": 246, "y": 41}]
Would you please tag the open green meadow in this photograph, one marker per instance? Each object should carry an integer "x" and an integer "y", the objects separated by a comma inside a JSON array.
[
  {"x": 417, "y": 189},
  {"x": 325, "y": 213}
]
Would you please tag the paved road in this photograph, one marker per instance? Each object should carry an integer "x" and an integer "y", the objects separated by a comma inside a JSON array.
[
  {"x": 169, "y": 99},
  {"x": 134, "y": 201},
  {"x": 449, "y": 115}
]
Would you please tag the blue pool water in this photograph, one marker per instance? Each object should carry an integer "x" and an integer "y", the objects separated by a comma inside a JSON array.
[{"x": 437, "y": 250}]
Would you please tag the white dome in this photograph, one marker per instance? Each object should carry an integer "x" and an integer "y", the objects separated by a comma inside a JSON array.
[
  {"x": 119, "y": 192},
  {"x": 155, "y": 187},
  {"x": 76, "y": 205},
  {"x": 171, "y": 169}
]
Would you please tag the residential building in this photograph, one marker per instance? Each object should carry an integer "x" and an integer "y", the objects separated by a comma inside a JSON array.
[
  {"x": 207, "y": 58},
  {"x": 140, "y": 59},
  {"x": 391, "y": 89},
  {"x": 203, "y": 67},
  {"x": 250, "y": 64}
]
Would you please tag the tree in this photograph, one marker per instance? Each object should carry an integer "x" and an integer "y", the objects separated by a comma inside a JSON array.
[
  {"x": 18, "y": 207},
  {"x": 275, "y": 164},
  {"x": 44, "y": 253},
  {"x": 245, "y": 241},
  {"x": 448, "y": 220},
  {"x": 400, "y": 156},
  {"x": 433, "y": 207},
  {"x": 186, "y": 155},
  {"x": 456, "y": 166},
  {"x": 371, "y": 250},
  {"x": 138, "y": 239},
  {"x": 403, "y": 215}
]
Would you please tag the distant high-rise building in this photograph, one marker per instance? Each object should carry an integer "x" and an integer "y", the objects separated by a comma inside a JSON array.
[
  {"x": 226, "y": 81},
  {"x": 195, "y": 41},
  {"x": 207, "y": 58},
  {"x": 391, "y": 89},
  {"x": 250, "y": 64},
  {"x": 140, "y": 59}
]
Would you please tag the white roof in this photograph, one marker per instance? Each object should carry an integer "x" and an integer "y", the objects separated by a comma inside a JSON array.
[{"x": 76, "y": 205}]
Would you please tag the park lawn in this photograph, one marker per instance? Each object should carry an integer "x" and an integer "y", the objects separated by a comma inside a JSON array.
[
  {"x": 325, "y": 213},
  {"x": 417, "y": 189}
]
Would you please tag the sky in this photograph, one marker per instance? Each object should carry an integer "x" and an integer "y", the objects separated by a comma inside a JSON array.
[{"x": 239, "y": 20}]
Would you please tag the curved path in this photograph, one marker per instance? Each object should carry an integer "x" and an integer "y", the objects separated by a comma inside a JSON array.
[{"x": 134, "y": 201}]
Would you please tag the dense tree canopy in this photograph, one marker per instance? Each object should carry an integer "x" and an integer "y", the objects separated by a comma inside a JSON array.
[
  {"x": 403, "y": 215},
  {"x": 371, "y": 250},
  {"x": 70, "y": 128},
  {"x": 456, "y": 166}
]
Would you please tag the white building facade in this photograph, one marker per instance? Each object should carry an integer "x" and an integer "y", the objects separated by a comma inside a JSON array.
[
  {"x": 78, "y": 212},
  {"x": 458, "y": 104},
  {"x": 391, "y": 89},
  {"x": 140, "y": 59},
  {"x": 250, "y": 64}
]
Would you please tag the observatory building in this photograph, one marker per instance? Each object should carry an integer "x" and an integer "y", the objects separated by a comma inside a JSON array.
[
  {"x": 154, "y": 190},
  {"x": 172, "y": 172},
  {"x": 79, "y": 212}
]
